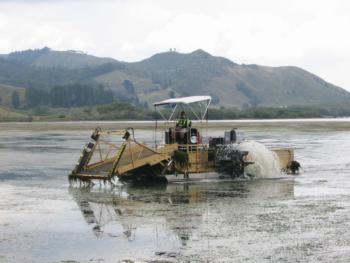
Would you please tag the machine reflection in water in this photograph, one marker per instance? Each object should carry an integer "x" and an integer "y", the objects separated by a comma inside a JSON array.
[{"x": 184, "y": 211}]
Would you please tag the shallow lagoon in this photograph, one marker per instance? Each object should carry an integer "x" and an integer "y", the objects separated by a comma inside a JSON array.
[{"x": 301, "y": 218}]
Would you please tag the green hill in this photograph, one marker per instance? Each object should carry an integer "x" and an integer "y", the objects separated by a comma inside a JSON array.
[
  {"x": 58, "y": 59},
  {"x": 237, "y": 85},
  {"x": 171, "y": 74}
]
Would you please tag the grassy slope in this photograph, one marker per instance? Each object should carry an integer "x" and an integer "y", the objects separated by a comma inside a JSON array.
[
  {"x": 10, "y": 115},
  {"x": 281, "y": 86}
]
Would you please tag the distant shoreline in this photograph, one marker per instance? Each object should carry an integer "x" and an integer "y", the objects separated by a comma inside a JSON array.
[{"x": 247, "y": 124}]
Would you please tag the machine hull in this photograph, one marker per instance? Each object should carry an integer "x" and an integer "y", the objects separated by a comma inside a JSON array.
[{"x": 130, "y": 160}]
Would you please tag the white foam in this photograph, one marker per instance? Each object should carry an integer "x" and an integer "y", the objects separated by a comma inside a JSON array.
[{"x": 266, "y": 162}]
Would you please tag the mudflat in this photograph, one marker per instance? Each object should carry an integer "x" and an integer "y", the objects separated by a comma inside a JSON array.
[{"x": 287, "y": 218}]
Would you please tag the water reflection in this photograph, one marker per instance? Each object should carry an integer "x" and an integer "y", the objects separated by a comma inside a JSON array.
[{"x": 182, "y": 211}]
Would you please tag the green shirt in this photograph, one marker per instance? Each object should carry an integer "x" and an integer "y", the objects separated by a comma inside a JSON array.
[{"x": 183, "y": 123}]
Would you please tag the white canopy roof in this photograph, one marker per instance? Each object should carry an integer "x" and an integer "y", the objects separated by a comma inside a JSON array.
[{"x": 183, "y": 100}]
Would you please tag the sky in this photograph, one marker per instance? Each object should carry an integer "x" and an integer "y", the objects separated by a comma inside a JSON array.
[{"x": 311, "y": 34}]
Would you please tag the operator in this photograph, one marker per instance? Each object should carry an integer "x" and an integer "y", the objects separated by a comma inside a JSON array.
[{"x": 182, "y": 125}]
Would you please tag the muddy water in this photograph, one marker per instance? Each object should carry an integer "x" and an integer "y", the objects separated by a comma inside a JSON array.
[{"x": 305, "y": 218}]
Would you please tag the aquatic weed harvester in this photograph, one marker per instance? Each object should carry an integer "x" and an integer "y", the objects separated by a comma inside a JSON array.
[{"x": 176, "y": 154}]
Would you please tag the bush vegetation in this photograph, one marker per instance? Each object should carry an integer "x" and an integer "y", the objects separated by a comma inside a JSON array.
[
  {"x": 117, "y": 111},
  {"x": 125, "y": 111}
]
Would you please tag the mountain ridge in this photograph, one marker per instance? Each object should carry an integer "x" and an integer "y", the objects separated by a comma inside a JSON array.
[{"x": 169, "y": 74}]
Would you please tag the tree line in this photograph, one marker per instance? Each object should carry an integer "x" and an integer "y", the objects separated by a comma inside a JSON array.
[
  {"x": 317, "y": 111},
  {"x": 71, "y": 95},
  {"x": 124, "y": 111}
]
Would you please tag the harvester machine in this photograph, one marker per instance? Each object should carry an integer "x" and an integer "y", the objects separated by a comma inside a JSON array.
[{"x": 181, "y": 154}]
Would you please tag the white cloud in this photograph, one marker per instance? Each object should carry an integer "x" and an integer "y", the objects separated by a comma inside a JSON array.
[{"x": 311, "y": 34}]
